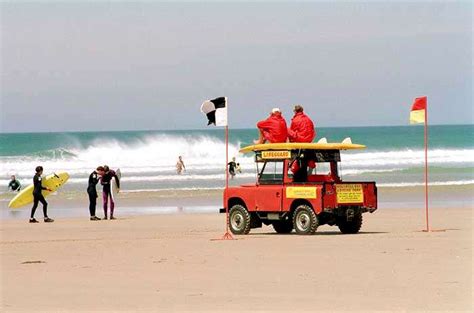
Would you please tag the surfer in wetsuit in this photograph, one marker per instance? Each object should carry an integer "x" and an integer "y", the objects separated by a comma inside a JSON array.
[
  {"x": 14, "y": 184},
  {"x": 92, "y": 191},
  {"x": 232, "y": 168},
  {"x": 38, "y": 196},
  {"x": 106, "y": 181}
]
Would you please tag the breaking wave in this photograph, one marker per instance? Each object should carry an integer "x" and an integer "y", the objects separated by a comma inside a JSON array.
[{"x": 148, "y": 163}]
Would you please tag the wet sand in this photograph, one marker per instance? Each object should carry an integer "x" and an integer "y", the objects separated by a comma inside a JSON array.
[
  {"x": 129, "y": 203},
  {"x": 171, "y": 263}
]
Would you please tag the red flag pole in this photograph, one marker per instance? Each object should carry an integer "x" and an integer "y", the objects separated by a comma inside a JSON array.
[
  {"x": 426, "y": 169},
  {"x": 227, "y": 235}
]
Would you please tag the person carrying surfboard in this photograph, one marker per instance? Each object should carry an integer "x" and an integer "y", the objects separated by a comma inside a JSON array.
[
  {"x": 92, "y": 191},
  {"x": 107, "y": 194},
  {"x": 302, "y": 127},
  {"x": 273, "y": 129},
  {"x": 38, "y": 197}
]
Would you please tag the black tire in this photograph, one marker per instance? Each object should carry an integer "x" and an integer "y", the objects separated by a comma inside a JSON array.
[
  {"x": 305, "y": 220},
  {"x": 239, "y": 220},
  {"x": 283, "y": 227},
  {"x": 350, "y": 227}
]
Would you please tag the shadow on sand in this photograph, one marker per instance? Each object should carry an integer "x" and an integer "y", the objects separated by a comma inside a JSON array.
[{"x": 323, "y": 233}]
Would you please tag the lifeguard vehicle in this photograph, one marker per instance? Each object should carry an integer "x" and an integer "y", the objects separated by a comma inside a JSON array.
[{"x": 299, "y": 187}]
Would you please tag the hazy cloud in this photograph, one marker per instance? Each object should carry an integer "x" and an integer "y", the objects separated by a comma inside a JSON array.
[{"x": 147, "y": 65}]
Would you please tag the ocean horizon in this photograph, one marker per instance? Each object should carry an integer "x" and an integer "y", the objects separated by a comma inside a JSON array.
[{"x": 209, "y": 128}]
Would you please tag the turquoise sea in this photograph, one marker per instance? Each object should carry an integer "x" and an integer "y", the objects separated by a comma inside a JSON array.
[{"x": 394, "y": 156}]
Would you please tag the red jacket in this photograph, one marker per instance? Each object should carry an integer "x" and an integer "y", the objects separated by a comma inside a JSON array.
[
  {"x": 301, "y": 129},
  {"x": 274, "y": 128}
]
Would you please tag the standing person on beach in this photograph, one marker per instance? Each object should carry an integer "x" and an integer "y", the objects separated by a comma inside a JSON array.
[
  {"x": 273, "y": 129},
  {"x": 302, "y": 127},
  {"x": 38, "y": 196},
  {"x": 92, "y": 191},
  {"x": 180, "y": 166},
  {"x": 107, "y": 194},
  {"x": 14, "y": 184}
]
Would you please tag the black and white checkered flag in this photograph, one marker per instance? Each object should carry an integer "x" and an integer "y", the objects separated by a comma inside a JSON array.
[{"x": 216, "y": 111}]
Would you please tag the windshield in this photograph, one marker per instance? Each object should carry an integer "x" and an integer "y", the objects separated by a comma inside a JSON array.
[{"x": 271, "y": 172}]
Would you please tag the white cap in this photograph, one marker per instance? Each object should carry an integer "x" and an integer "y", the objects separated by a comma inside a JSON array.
[{"x": 275, "y": 110}]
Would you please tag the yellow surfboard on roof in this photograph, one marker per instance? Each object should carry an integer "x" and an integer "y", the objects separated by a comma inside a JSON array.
[{"x": 322, "y": 144}]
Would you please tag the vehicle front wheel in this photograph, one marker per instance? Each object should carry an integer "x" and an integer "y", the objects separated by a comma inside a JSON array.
[
  {"x": 350, "y": 227},
  {"x": 239, "y": 220},
  {"x": 305, "y": 220},
  {"x": 283, "y": 227}
]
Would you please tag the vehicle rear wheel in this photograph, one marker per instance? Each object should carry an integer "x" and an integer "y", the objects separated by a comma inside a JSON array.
[
  {"x": 239, "y": 220},
  {"x": 305, "y": 220},
  {"x": 350, "y": 227},
  {"x": 283, "y": 227}
]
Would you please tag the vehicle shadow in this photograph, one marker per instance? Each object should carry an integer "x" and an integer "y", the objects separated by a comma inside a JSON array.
[{"x": 323, "y": 233}]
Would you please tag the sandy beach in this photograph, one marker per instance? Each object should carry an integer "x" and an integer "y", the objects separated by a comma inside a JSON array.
[
  {"x": 176, "y": 109},
  {"x": 171, "y": 263}
]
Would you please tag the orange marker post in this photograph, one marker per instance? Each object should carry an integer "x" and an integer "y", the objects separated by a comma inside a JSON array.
[{"x": 418, "y": 115}]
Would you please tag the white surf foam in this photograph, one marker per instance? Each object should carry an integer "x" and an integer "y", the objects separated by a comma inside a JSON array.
[
  {"x": 435, "y": 183},
  {"x": 152, "y": 159}
]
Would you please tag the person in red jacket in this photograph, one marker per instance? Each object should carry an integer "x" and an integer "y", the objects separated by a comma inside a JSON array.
[
  {"x": 302, "y": 128},
  {"x": 273, "y": 129}
]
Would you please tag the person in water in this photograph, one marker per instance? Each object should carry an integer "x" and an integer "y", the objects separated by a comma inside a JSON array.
[
  {"x": 92, "y": 191},
  {"x": 38, "y": 196},
  {"x": 106, "y": 181},
  {"x": 14, "y": 184},
  {"x": 273, "y": 129},
  {"x": 232, "y": 168},
  {"x": 302, "y": 128},
  {"x": 180, "y": 166}
]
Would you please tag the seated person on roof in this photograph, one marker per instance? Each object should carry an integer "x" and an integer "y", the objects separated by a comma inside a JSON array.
[
  {"x": 302, "y": 128},
  {"x": 273, "y": 129}
]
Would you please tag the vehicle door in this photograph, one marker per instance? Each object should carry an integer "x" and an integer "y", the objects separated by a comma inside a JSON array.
[{"x": 270, "y": 186}]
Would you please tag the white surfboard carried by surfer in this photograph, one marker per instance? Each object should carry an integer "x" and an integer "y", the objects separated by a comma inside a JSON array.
[{"x": 115, "y": 188}]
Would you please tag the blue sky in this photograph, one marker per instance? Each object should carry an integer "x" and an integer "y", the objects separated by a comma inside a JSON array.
[{"x": 93, "y": 65}]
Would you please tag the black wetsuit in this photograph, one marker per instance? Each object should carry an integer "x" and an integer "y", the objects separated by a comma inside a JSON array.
[
  {"x": 92, "y": 192},
  {"x": 106, "y": 180},
  {"x": 232, "y": 167},
  {"x": 14, "y": 185},
  {"x": 38, "y": 196}
]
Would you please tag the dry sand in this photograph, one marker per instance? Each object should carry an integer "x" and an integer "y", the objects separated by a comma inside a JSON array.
[{"x": 169, "y": 263}]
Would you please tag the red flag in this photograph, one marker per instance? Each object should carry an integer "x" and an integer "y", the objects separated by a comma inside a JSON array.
[{"x": 418, "y": 110}]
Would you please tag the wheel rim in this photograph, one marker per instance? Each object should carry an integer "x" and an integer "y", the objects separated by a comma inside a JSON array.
[
  {"x": 303, "y": 221},
  {"x": 237, "y": 221}
]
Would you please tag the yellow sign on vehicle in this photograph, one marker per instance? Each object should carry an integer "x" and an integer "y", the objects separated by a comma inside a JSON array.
[
  {"x": 301, "y": 192},
  {"x": 276, "y": 155},
  {"x": 349, "y": 193}
]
